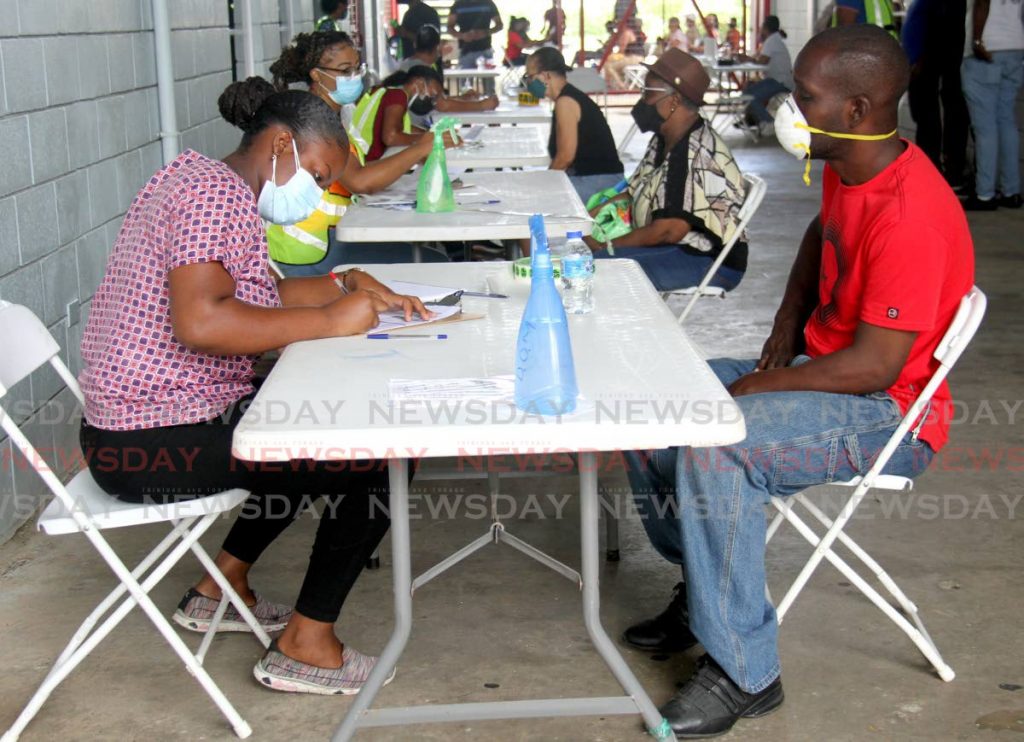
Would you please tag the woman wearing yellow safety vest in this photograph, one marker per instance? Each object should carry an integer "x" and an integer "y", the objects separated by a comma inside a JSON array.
[
  {"x": 328, "y": 63},
  {"x": 381, "y": 119}
]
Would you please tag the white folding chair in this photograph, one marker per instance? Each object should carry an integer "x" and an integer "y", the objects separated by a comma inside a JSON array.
[
  {"x": 956, "y": 339},
  {"x": 754, "y": 188},
  {"x": 82, "y": 507}
]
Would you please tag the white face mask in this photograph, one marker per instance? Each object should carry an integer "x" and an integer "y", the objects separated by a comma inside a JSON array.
[
  {"x": 794, "y": 134},
  {"x": 292, "y": 202}
]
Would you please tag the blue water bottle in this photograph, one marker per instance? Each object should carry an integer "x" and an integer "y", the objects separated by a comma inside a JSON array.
[{"x": 545, "y": 375}]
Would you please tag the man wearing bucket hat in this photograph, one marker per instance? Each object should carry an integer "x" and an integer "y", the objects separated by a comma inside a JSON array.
[
  {"x": 687, "y": 190},
  {"x": 876, "y": 281}
]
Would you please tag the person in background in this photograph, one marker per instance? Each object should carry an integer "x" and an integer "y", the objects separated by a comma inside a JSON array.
[
  {"x": 518, "y": 41},
  {"x": 676, "y": 38},
  {"x": 734, "y": 38},
  {"x": 554, "y": 25},
  {"x": 329, "y": 64},
  {"x": 778, "y": 78},
  {"x": 416, "y": 17},
  {"x": 428, "y": 52},
  {"x": 694, "y": 45},
  {"x": 632, "y": 46},
  {"x": 580, "y": 142},
  {"x": 873, "y": 12},
  {"x": 877, "y": 279},
  {"x": 382, "y": 116},
  {"x": 472, "y": 22},
  {"x": 711, "y": 25},
  {"x": 334, "y": 12},
  {"x": 687, "y": 190},
  {"x": 189, "y": 288},
  {"x": 992, "y": 75},
  {"x": 933, "y": 38}
]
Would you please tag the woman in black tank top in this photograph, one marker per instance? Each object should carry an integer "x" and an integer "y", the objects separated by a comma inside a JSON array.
[{"x": 581, "y": 143}]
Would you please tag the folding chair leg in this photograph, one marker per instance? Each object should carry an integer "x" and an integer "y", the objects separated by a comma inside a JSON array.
[
  {"x": 921, "y": 640},
  {"x": 230, "y": 596},
  {"x": 138, "y": 596}
]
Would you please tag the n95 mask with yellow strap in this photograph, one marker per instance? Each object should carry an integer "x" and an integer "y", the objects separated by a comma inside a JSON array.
[{"x": 794, "y": 134}]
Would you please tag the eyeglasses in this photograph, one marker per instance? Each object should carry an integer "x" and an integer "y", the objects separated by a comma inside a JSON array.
[
  {"x": 647, "y": 90},
  {"x": 347, "y": 71}
]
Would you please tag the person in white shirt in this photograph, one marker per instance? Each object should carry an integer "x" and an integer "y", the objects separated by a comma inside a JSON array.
[
  {"x": 991, "y": 75},
  {"x": 676, "y": 38},
  {"x": 778, "y": 76}
]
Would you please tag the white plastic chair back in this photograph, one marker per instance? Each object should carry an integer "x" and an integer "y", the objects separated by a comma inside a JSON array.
[
  {"x": 754, "y": 190},
  {"x": 961, "y": 330}
]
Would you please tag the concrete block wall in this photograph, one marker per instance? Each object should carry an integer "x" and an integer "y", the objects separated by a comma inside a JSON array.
[{"x": 79, "y": 135}]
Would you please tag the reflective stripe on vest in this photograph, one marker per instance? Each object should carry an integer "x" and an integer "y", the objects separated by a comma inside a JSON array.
[
  {"x": 360, "y": 131},
  {"x": 306, "y": 242}
]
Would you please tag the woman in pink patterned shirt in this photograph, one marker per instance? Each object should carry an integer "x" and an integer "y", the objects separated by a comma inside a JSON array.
[{"x": 185, "y": 308}]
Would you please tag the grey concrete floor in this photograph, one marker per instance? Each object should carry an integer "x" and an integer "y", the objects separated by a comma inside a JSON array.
[{"x": 502, "y": 627}]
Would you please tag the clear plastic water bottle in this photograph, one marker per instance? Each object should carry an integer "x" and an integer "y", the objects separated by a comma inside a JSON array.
[
  {"x": 545, "y": 380},
  {"x": 577, "y": 275}
]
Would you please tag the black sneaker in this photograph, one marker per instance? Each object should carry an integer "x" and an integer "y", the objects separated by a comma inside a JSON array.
[
  {"x": 973, "y": 203},
  {"x": 710, "y": 703},
  {"x": 669, "y": 631},
  {"x": 1010, "y": 202}
]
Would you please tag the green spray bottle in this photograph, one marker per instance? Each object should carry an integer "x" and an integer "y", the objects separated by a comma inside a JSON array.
[{"x": 434, "y": 193}]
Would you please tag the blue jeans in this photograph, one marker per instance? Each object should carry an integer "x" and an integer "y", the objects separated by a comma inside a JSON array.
[
  {"x": 990, "y": 89},
  {"x": 705, "y": 508},
  {"x": 670, "y": 268},
  {"x": 340, "y": 253},
  {"x": 587, "y": 185},
  {"x": 467, "y": 61},
  {"x": 763, "y": 91}
]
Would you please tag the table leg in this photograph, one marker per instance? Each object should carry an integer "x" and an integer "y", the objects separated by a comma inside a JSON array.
[
  {"x": 401, "y": 567},
  {"x": 657, "y": 725}
]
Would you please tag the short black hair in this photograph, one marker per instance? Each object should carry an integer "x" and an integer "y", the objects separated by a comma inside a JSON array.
[
  {"x": 864, "y": 60},
  {"x": 419, "y": 72},
  {"x": 771, "y": 22},
  {"x": 252, "y": 105},
  {"x": 549, "y": 59},
  {"x": 329, "y": 6},
  {"x": 428, "y": 38}
]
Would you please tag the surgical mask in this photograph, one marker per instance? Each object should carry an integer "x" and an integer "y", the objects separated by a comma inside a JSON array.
[
  {"x": 537, "y": 88},
  {"x": 647, "y": 117},
  {"x": 346, "y": 89},
  {"x": 292, "y": 202},
  {"x": 794, "y": 134}
]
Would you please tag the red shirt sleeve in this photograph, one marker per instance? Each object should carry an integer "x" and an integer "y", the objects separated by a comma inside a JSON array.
[{"x": 906, "y": 268}]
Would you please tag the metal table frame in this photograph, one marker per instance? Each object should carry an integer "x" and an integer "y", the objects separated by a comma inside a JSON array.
[{"x": 635, "y": 700}]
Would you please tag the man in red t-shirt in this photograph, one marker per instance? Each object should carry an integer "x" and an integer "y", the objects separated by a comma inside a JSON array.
[{"x": 877, "y": 279}]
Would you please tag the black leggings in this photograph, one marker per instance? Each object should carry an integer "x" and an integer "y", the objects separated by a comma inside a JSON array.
[{"x": 188, "y": 461}]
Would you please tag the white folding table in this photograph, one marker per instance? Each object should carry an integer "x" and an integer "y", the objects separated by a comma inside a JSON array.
[
  {"x": 500, "y": 147},
  {"x": 509, "y": 113},
  {"x": 633, "y": 363},
  {"x": 518, "y": 195},
  {"x": 476, "y": 76}
]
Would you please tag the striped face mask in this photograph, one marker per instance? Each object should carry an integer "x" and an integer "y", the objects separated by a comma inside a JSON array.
[{"x": 794, "y": 134}]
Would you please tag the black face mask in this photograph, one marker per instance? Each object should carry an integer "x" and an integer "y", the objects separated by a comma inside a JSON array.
[
  {"x": 421, "y": 106},
  {"x": 647, "y": 117}
]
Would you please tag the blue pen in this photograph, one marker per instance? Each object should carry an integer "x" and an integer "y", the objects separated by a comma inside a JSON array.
[{"x": 388, "y": 336}]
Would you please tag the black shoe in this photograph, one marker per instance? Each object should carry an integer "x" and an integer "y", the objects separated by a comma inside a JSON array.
[
  {"x": 973, "y": 203},
  {"x": 669, "y": 631},
  {"x": 710, "y": 703},
  {"x": 1010, "y": 202}
]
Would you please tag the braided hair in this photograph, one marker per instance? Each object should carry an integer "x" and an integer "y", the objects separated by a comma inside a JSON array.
[
  {"x": 303, "y": 55},
  {"x": 252, "y": 105}
]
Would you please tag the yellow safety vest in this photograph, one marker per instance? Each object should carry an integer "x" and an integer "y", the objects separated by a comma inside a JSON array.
[
  {"x": 876, "y": 13},
  {"x": 306, "y": 242},
  {"x": 360, "y": 131}
]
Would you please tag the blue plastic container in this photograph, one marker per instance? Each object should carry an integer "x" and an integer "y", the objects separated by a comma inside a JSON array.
[{"x": 545, "y": 374}]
